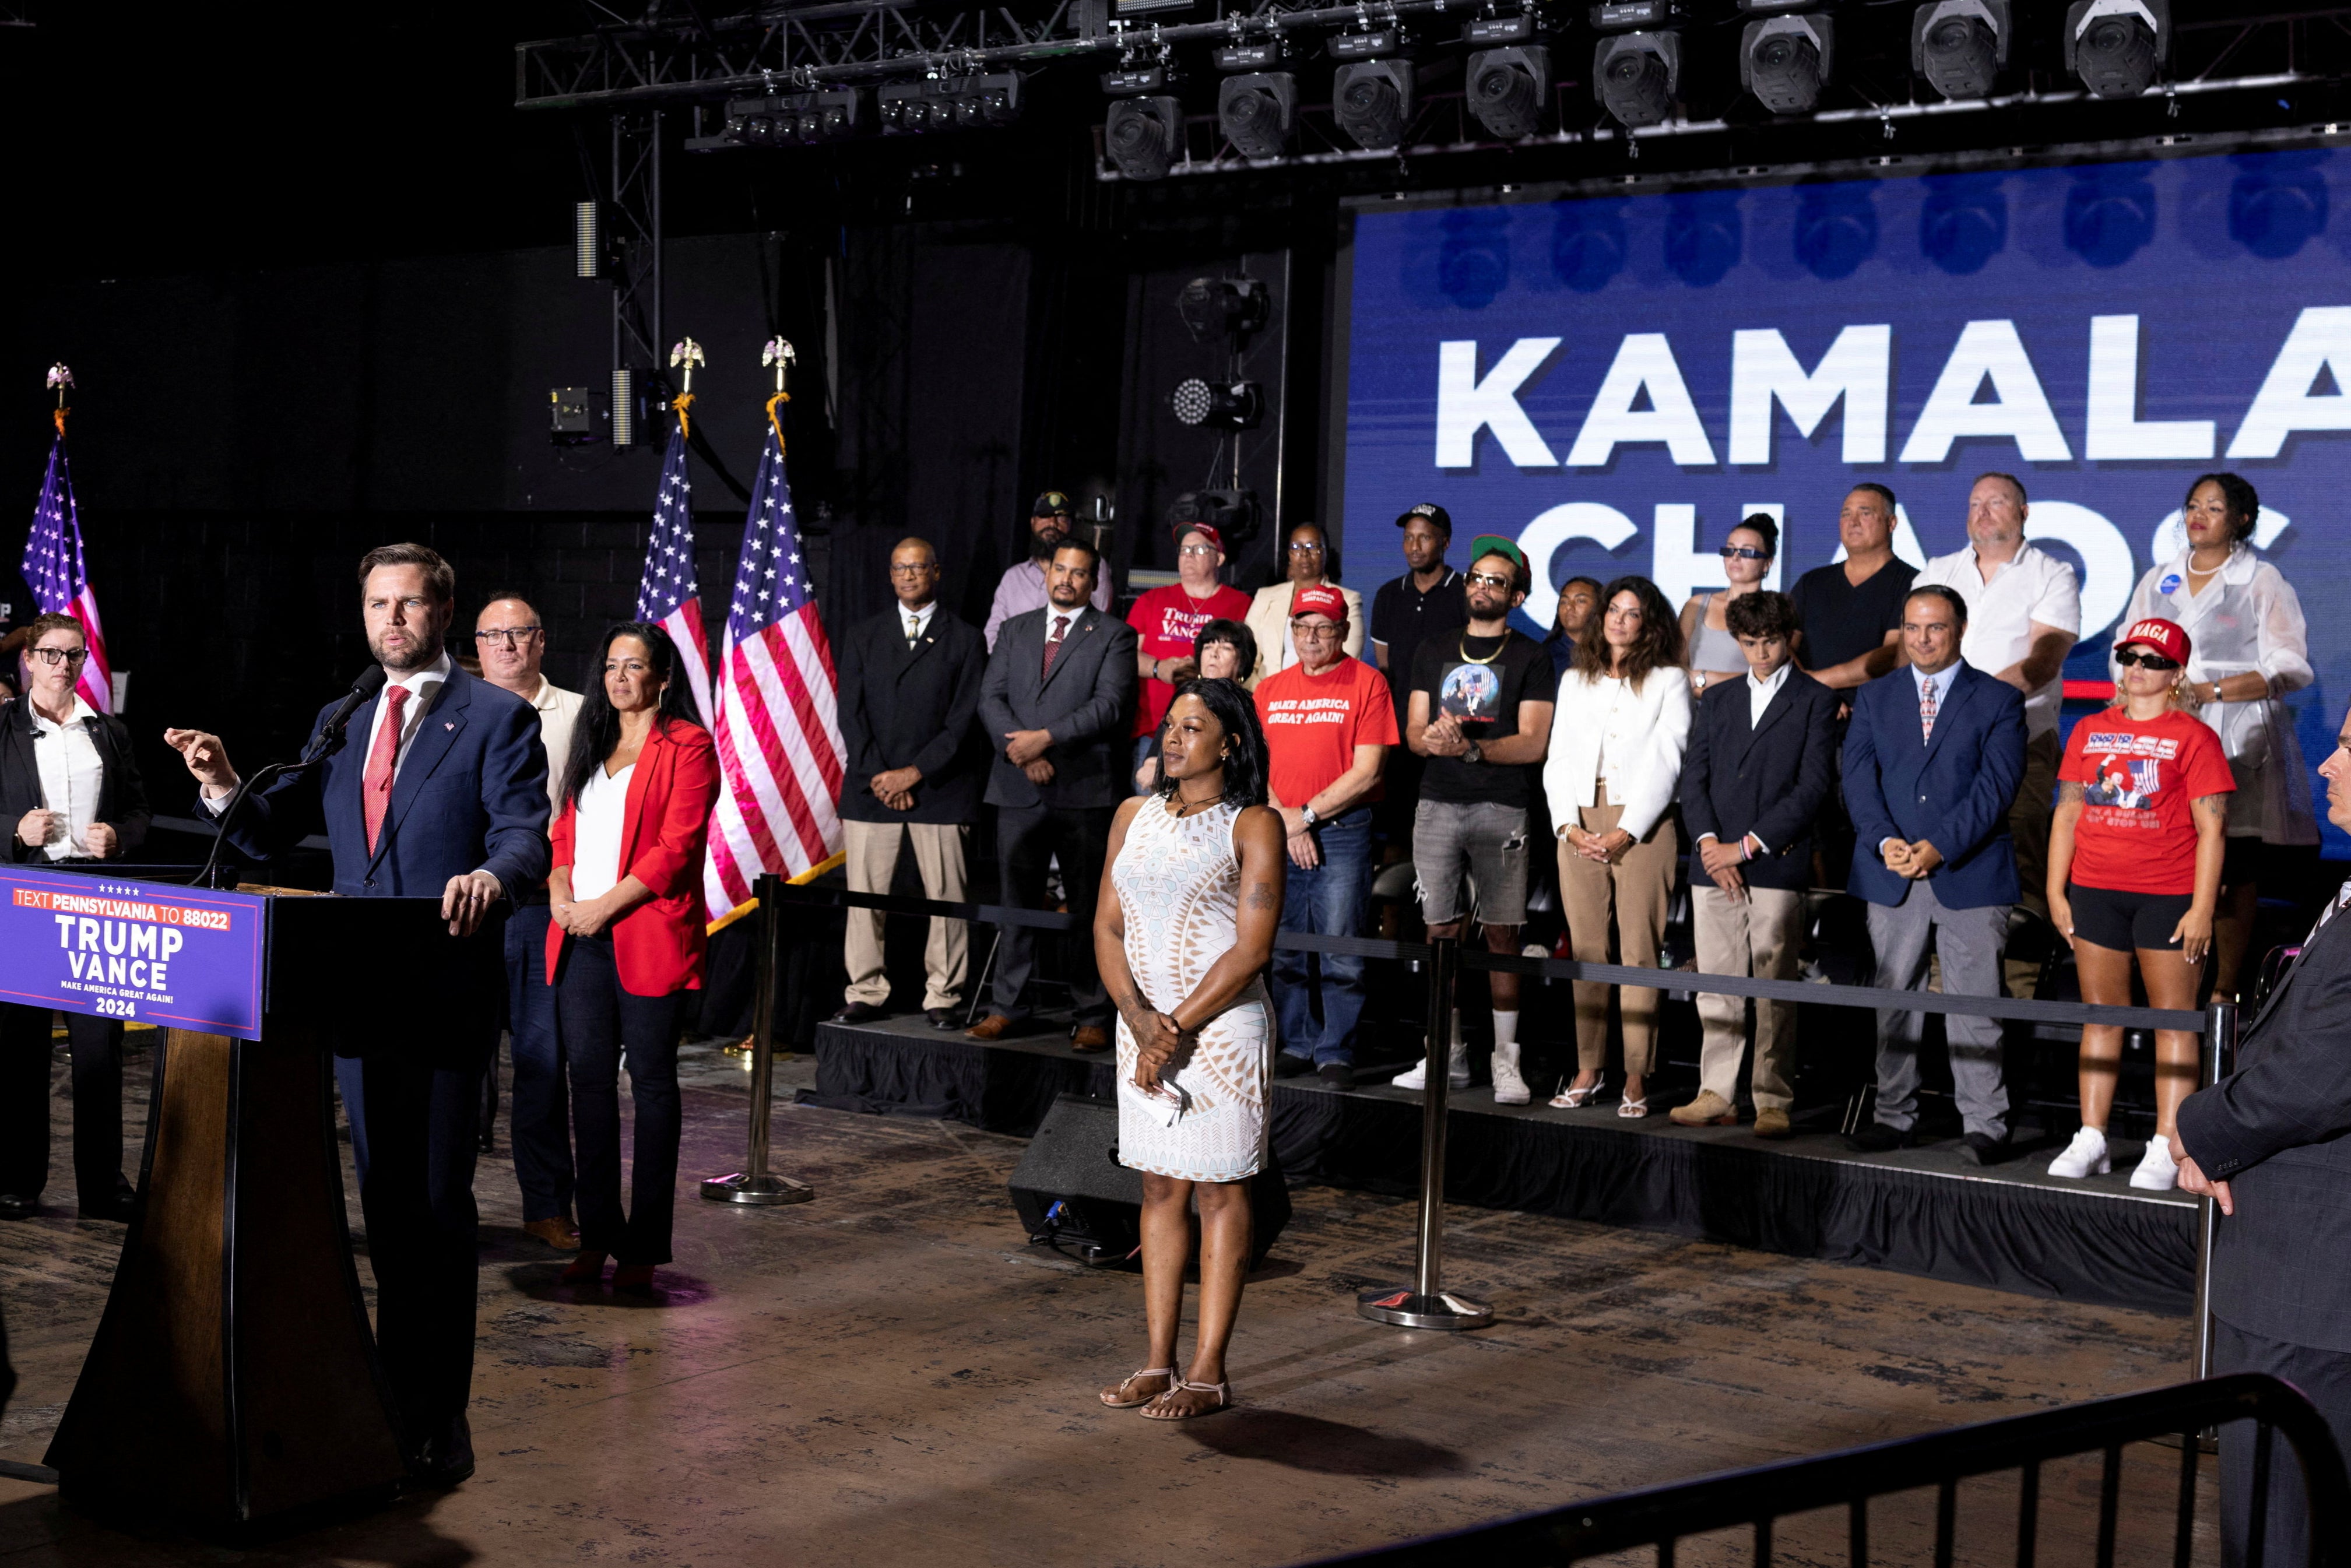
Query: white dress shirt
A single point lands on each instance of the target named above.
(1761, 692)
(559, 711)
(2032, 586)
(1941, 681)
(596, 833)
(423, 685)
(921, 618)
(71, 774)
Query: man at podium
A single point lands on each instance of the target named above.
(436, 786)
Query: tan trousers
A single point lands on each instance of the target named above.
(1759, 935)
(870, 858)
(1635, 891)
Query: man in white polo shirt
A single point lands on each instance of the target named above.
(2024, 613)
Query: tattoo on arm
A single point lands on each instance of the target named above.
(2215, 806)
(1262, 896)
(2072, 792)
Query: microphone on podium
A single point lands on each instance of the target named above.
(372, 681)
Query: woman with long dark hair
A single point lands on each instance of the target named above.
(627, 936)
(1616, 739)
(1190, 901)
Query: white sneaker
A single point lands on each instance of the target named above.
(2156, 1171)
(1415, 1079)
(2084, 1156)
(1509, 1087)
(1458, 1075)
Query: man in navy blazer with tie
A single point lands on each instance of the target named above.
(1931, 763)
(436, 787)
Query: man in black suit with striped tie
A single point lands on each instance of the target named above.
(2268, 1143)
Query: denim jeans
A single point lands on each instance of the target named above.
(1328, 900)
(541, 1114)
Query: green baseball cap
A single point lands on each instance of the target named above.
(1495, 544)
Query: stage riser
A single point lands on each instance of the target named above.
(2010, 1236)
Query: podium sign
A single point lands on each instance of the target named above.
(183, 957)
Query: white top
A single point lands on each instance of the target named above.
(1761, 692)
(596, 833)
(71, 774)
(2034, 586)
(1642, 733)
(558, 710)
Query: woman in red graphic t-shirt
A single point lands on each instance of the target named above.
(2134, 859)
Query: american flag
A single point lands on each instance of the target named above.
(776, 720)
(60, 582)
(667, 594)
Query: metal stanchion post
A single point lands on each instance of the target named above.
(2220, 1055)
(754, 1183)
(1425, 1303)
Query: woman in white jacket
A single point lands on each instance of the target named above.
(2250, 646)
(1616, 739)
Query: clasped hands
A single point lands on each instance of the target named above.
(1603, 849)
(1913, 860)
(1722, 862)
(1443, 737)
(1158, 1041)
(1025, 748)
(895, 787)
(36, 828)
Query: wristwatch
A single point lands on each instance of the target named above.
(1306, 816)
(1473, 753)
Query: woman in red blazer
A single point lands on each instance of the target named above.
(626, 938)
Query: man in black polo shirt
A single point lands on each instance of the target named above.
(1426, 601)
(1851, 609)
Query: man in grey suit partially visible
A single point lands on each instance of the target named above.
(2267, 1144)
(1054, 710)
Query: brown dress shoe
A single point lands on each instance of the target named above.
(1771, 1124)
(557, 1233)
(995, 1026)
(1089, 1038)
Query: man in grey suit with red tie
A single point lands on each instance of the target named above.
(2268, 1143)
(437, 788)
(1054, 710)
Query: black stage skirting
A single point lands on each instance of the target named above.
(1919, 1211)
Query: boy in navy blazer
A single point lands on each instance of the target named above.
(1932, 760)
(437, 788)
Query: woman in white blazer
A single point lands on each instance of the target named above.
(1618, 734)
(1305, 555)
(2250, 645)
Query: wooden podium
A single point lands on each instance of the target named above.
(234, 1380)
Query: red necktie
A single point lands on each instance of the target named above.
(375, 788)
(1053, 643)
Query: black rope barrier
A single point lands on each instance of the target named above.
(2024, 1008)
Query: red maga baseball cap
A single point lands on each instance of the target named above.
(1319, 600)
(1204, 530)
(2166, 637)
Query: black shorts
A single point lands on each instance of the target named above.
(2121, 922)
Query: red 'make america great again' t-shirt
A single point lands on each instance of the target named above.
(1166, 623)
(1313, 723)
(2135, 833)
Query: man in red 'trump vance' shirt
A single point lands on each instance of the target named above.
(1329, 721)
(1167, 620)
(2135, 856)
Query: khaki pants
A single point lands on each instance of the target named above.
(870, 858)
(1759, 935)
(1635, 890)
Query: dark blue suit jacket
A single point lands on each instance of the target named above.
(1953, 791)
(470, 796)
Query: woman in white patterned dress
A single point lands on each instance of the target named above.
(1190, 902)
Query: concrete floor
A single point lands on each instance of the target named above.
(889, 1374)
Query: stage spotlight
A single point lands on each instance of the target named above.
(1784, 61)
(2116, 47)
(903, 107)
(1959, 46)
(1233, 514)
(588, 238)
(1639, 74)
(1371, 101)
(1223, 307)
(1255, 113)
(1143, 136)
(1509, 90)
(1236, 405)
(993, 99)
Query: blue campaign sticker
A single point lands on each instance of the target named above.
(2170, 584)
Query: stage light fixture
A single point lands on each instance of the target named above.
(588, 238)
(1960, 46)
(1785, 60)
(991, 99)
(2116, 47)
(1257, 113)
(1144, 135)
(1371, 101)
(1234, 405)
(1509, 90)
(1233, 514)
(1223, 307)
(1638, 75)
(794, 119)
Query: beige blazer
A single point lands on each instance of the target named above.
(1269, 623)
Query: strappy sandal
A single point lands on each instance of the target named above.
(1576, 1098)
(1223, 1391)
(1632, 1110)
(1166, 1372)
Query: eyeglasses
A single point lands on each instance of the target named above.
(1488, 580)
(1195, 549)
(1743, 552)
(2128, 656)
(913, 568)
(505, 636)
(1300, 547)
(54, 656)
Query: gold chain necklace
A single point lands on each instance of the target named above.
(1489, 658)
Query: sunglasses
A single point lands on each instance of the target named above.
(1488, 580)
(1743, 552)
(2157, 662)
